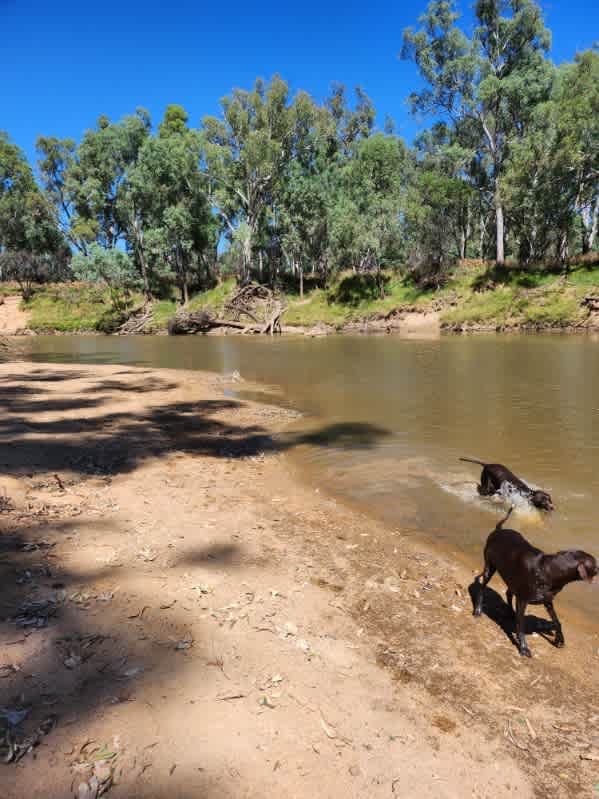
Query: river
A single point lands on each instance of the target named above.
(408, 409)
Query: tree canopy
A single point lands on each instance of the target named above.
(278, 185)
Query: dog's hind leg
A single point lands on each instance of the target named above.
(520, 627)
(482, 581)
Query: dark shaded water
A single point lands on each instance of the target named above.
(531, 402)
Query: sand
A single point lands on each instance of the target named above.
(214, 627)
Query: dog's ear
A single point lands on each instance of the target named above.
(584, 575)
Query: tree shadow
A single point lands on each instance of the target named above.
(79, 650)
(81, 654)
(498, 610)
(116, 442)
(46, 376)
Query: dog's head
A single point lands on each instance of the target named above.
(587, 567)
(542, 500)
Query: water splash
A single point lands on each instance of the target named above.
(505, 498)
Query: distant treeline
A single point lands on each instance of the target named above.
(508, 169)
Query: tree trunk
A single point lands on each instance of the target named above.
(139, 246)
(462, 244)
(499, 256)
(590, 220)
(564, 252)
(144, 276)
(301, 281)
(260, 265)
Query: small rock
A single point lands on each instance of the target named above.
(289, 628)
(354, 771)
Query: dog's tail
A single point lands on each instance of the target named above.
(473, 460)
(500, 524)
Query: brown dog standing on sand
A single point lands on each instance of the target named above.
(531, 576)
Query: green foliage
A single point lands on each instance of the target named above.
(355, 288)
(27, 223)
(114, 268)
(27, 269)
(488, 84)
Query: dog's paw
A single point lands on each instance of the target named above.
(525, 652)
(559, 642)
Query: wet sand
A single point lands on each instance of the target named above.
(210, 625)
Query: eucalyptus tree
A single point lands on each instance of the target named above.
(442, 204)
(169, 226)
(112, 267)
(247, 152)
(577, 122)
(552, 174)
(365, 226)
(487, 84)
(27, 221)
(307, 203)
(349, 125)
(55, 159)
(85, 181)
(303, 222)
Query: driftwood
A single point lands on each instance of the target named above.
(184, 324)
(591, 301)
(259, 304)
(136, 322)
(245, 301)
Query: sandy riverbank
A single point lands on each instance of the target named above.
(209, 626)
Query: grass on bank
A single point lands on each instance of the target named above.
(475, 293)
(68, 308)
(351, 298)
(513, 296)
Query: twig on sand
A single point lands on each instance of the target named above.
(508, 732)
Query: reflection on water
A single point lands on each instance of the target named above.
(530, 402)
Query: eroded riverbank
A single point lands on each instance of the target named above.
(214, 626)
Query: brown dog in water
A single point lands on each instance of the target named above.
(531, 576)
(494, 475)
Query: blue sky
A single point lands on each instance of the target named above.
(62, 64)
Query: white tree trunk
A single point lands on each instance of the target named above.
(590, 220)
(499, 257)
(564, 251)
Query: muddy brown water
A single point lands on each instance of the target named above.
(390, 417)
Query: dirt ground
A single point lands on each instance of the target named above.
(12, 318)
(180, 616)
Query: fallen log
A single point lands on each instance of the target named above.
(184, 324)
(137, 321)
(591, 301)
(270, 309)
